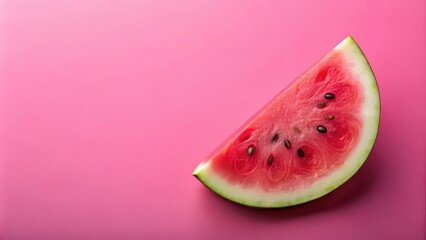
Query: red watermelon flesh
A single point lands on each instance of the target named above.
(305, 135)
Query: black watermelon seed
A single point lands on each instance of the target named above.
(322, 129)
(250, 150)
(287, 144)
(275, 137)
(270, 160)
(300, 152)
(329, 117)
(329, 96)
(321, 104)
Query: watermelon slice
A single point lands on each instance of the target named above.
(307, 141)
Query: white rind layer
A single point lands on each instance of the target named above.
(370, 115)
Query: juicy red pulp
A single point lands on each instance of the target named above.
(294, 115)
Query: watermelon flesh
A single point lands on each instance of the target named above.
(308, 140)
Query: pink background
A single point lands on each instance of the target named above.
(106, 107)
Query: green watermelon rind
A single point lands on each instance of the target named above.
(361, 69)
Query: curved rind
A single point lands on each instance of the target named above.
(370, 116)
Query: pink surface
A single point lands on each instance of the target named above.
(106, 108)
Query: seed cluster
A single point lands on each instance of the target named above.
(322, 104)
(287, 143)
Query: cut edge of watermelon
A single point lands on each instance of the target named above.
(370, 116)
